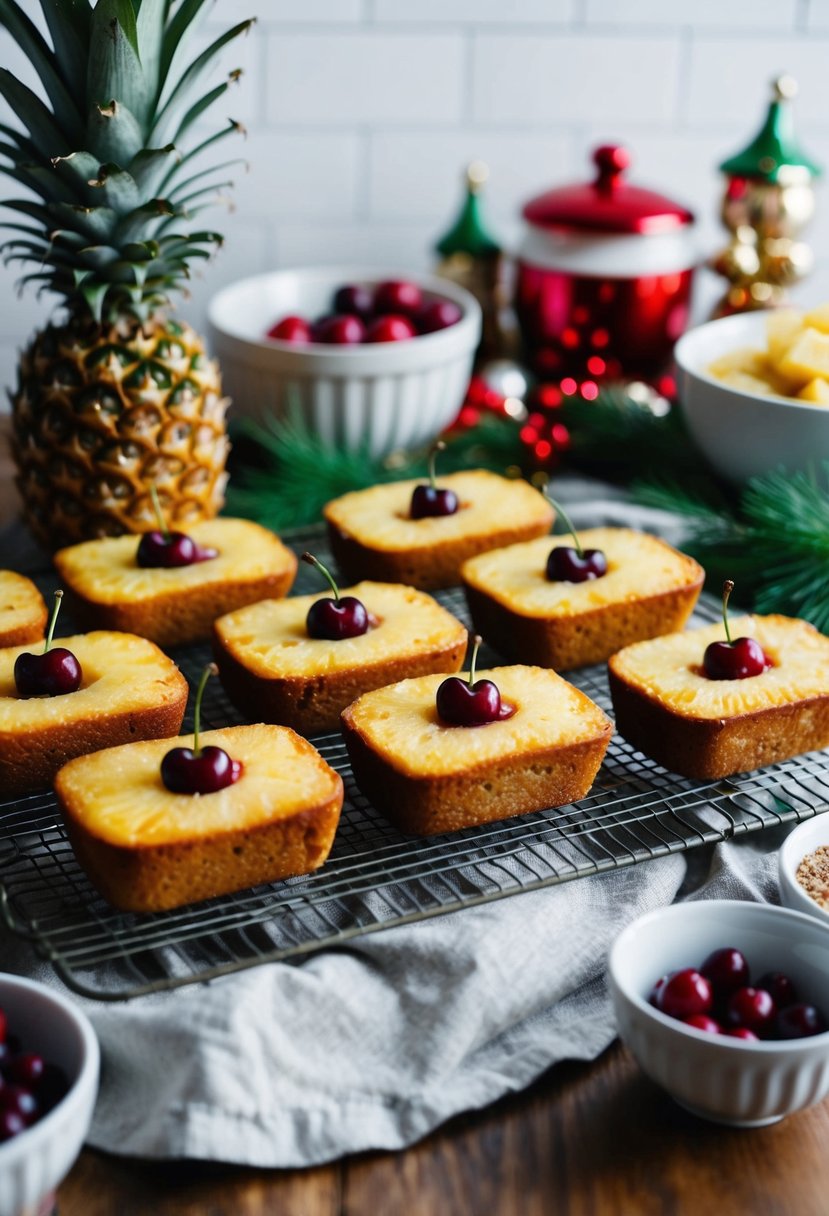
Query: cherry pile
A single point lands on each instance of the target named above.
(720, 998)
(29, 1086)
(393, 311)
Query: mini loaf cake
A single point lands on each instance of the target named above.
(649, 589)
(373, 535)
(109, 590)
(428, 777)
(147, 849)
(274, 671)
(23, 613)
(668, 707)
(129, 690)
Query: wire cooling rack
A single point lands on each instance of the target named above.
(375, 877)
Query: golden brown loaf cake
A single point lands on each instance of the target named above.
(275, 672)
(649, 589)
(109, 590)
(147, 849)
(372, 535)
(668, 708)
(428, 777)
(130, 690)
(23, 614)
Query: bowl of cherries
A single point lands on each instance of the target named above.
(725, 1004)
(374, 361)
(49, 1061)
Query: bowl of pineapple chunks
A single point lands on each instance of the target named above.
(754, 390)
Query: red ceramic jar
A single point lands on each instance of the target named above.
(604, 276)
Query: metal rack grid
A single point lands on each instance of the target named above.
(375, 876)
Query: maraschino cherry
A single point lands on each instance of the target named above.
(473, 702)
(199, 770)
(343, 617)
(572, 563)
(398, 296)
(162, 549)
(51, 674)
(438, 314)
(733, 660)
(428, 499)
(354, 298)
(291, 329)
(390, 327)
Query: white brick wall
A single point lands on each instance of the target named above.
(361, 115)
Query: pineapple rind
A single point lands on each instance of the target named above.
(99, 415)
(638, 564)
(669, 669)
(118, 796)
(270, 638)
(401, 724)
(379, 517)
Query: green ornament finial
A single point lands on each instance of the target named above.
(469, 234)
(775, 155)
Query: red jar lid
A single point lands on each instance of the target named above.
(608, 203)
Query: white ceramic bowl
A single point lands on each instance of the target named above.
(740, 433)
(35, 1162)
(385, 395)
(803, 839)
(747, 1084)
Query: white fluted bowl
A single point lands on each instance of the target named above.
(746, 1084)
(744, 434)
(384, 395)
(803, 839)
(34, 1163)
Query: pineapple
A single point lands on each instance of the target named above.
(429, 777)
(175, 606)
(23, 613)
(274, 671)
(649, 589)
(116, 395)
(147, 849)
(668, 707)
(129, 690)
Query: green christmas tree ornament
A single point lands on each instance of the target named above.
(472, 257)
(769, 200)
(775, 154)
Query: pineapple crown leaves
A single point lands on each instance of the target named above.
(110, 157)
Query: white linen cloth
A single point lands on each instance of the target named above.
(373, 1045)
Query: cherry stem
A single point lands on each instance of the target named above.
(439, 446)
(162, 527)
(476, 642)
(317, 564)
(568, 523)
(727, 588)
(210, 670)
(53, 620)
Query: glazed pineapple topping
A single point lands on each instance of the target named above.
(199, 770)
(567, 564)
(51, 674)
(162, 549)
(473, 702)
(334, 619)
(429, 500)
(734, 660)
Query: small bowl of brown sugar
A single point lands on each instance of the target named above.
(803, 869)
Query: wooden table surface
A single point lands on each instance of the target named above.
(586, 1140)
